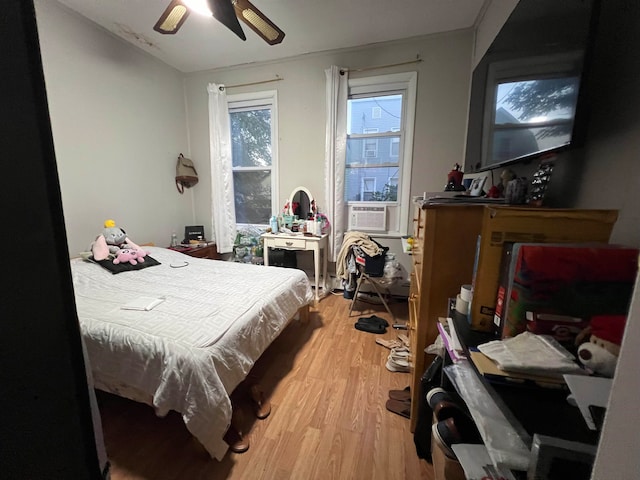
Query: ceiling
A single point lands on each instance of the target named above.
(310, 26)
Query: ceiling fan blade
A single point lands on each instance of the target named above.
(172, 18)
(258, 21)
(223, 12)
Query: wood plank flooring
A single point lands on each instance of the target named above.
(327, 383)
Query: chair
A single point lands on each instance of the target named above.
(378, 284)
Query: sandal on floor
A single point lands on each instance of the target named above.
(404, 339)
(388, 343)
(261, 406)
(401, 395)
(397, 366)
(401, 408)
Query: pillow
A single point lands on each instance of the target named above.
(126, 266)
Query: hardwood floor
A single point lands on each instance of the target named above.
(327, 383)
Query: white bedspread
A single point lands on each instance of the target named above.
(194, 348)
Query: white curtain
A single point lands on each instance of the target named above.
(335, 154)
(223, 221)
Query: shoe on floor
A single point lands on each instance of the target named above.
(402, 408)
(401, 395)
(398, 363)
(375, 320)
(388, 343)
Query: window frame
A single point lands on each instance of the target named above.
(254, 100)
(406, 82)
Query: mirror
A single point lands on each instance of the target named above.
(301, 203)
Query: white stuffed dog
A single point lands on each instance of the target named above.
(600, 353)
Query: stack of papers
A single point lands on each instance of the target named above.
(531, 354)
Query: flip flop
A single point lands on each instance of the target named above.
(404, 339)
(401, 395)
(388, 343)
(401, 408)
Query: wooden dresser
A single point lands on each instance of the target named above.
(443, 253)
(207, 251)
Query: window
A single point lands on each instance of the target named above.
(380, 113)
(254, 158)
(394, 150)
(370, 145)
(368, 188)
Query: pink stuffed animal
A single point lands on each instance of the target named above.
(131, 255)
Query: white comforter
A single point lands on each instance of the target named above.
(190, 351)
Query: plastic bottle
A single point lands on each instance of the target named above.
(174, 239)
(273, 223)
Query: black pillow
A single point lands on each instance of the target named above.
(125, 266)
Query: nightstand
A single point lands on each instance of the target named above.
(206, 251)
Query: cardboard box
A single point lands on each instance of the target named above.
(503, 224)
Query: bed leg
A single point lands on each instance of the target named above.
(303, 313)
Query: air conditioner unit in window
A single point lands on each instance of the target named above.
(368, 218)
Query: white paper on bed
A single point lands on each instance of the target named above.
(195, 347)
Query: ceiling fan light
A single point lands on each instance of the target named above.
(258, 22)
(172, 18)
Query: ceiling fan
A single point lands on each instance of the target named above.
(225, 11)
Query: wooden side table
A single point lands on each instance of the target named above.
(318, 245)
(206, 251)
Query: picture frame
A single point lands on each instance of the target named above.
(477, 185)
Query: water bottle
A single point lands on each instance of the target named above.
(174, 240)
(273, 223)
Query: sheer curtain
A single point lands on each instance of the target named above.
(335, 154)
(223, 211)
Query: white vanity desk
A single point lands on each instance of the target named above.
(302, 242)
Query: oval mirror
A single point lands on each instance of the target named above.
(301, 203)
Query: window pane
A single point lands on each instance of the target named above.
(536, 101)
(516, 142)
(371, 184)
(372, 150)
(251, 137)
(362, 113)
(252, 196)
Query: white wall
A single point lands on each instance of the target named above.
(119, 123)
(495, 13)
(443, 83)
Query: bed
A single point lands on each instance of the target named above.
(190, 351)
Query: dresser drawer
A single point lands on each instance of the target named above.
(294, 243)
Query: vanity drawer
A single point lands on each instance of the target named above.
(294, 243)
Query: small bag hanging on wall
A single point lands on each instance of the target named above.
(186, 174)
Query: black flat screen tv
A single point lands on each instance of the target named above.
(527, 89)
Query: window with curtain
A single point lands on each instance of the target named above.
(380, 117)
(254, 156)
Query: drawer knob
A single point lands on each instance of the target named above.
(289, 244)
